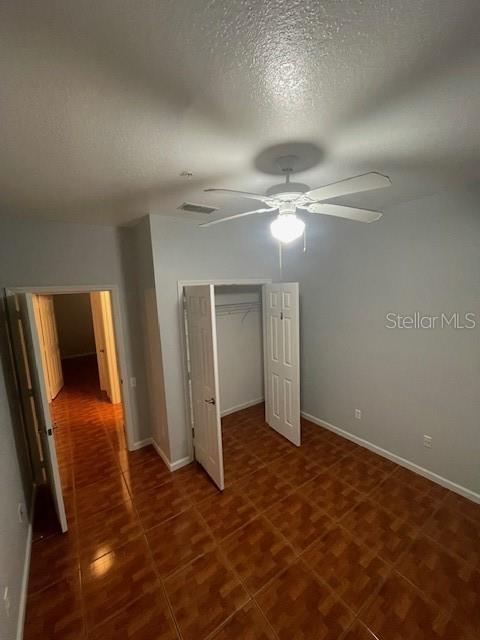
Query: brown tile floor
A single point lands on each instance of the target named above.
(325, 541)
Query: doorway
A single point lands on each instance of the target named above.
(77, 338)
(224, 358)
(69, 357)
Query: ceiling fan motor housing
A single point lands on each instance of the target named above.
(288, 190)
(287, 207)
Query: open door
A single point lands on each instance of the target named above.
(282, 359)
(101, 306)
(202, 349)
(47, 325)
(33, 389)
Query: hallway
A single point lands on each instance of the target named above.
(103, 562)
(319, 542)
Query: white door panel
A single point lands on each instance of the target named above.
(202, 347)
(50, 344)
(103, 329)
(28, 357)
(282, 359)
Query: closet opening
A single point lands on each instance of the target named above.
(242, 374)
(238, 313)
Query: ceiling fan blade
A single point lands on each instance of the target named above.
(237, 215)
(365, 182)
(241, 194)
(340, 211)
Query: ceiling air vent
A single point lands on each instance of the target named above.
(191, 207)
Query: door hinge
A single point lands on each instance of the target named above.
(281, 315)
(193, 433)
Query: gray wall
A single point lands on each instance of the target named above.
(182, 251)
(73, 316)
(144, 330)
(421, 256)
(44, 253)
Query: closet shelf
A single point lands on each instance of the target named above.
(239, 307)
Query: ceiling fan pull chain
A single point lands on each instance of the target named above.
(305, 240)
(280, 266)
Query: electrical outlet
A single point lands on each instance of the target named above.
(427, 441)
(358, 414)
(133, 382)
(6, 602)
(21, 512)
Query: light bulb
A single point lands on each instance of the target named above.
(287, 227)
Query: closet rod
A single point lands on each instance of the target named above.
(240, 307)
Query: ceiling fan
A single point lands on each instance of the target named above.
(287, 197)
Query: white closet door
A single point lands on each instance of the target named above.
(32, 376)
(202, 347)
(282, 359)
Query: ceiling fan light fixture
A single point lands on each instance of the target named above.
(287, 227)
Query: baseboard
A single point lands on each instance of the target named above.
(239, 407)
(22, 605)
(173, 466)
(182, 462)
(141, 443)
(448, 484)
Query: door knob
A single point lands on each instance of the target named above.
(211, 401)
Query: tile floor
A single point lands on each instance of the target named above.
(325, 541)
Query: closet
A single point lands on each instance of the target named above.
(242, 346)
(238, 313)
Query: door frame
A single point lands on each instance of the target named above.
(219, 282)
(119, 341)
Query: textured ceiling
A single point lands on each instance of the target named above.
(103, 103)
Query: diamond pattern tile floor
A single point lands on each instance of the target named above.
(324, 541)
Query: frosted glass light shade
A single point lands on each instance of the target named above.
(287, 227)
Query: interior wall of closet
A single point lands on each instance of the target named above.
(238, 311)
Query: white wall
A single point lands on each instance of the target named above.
(73, 316)
(182, 251)
(240, 347)
(421, 256)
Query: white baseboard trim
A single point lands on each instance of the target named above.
(22, 604)
(173, 466)
(448, 484)
(239, 407)
(182, 462)
(141, 443)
